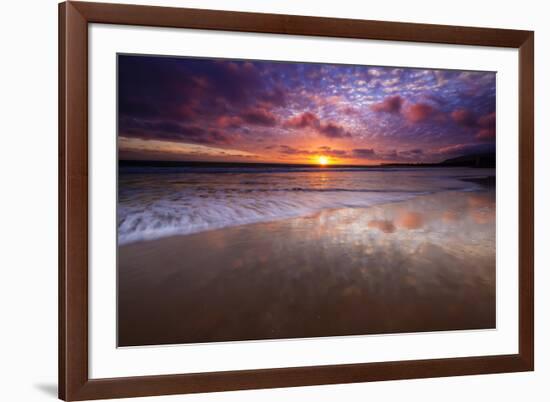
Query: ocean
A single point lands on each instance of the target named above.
(156, 202)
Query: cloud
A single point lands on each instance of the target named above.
(484, 125)
(259, 117)
(391, 104)
(215, 137)
(487, 120)
(175, 88)
(288, 150)
(463, 149)
(413, 112)
(276, 97)
(486, 134)
(309, 120)
(487, 127)
(333, 130)
(229, 122)
(411, 153)
(325, 150)
(349, 110)
(130, 147)
(194, 100)
(375, 72)
(334, 152)
(464, 117)
(367, 153)
(304, 120)
(171, 131)
(407, 155)
(418, 112)
(132, 107)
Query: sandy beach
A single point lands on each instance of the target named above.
(424, 264)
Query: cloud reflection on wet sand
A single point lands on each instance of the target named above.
(425, 264)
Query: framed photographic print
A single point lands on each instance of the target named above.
(256, 201)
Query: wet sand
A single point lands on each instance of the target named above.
(426, 264)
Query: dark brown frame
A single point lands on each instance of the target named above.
(74, 382)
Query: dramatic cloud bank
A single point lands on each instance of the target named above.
(210, 109)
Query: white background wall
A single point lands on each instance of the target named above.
(28, 212)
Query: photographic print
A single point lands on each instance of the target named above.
(274, 200)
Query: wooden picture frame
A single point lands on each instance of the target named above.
(74, 381)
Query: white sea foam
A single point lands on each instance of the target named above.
(155, 205)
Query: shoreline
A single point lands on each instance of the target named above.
(485, 183)
(391, 268)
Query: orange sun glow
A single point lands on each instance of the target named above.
(323, 160)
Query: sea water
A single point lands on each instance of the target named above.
(155, 202)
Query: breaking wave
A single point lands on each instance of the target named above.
(157, 205)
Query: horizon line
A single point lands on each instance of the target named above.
(294, 164)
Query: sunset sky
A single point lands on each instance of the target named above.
(257, 111)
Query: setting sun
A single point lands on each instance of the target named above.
(323, 160)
